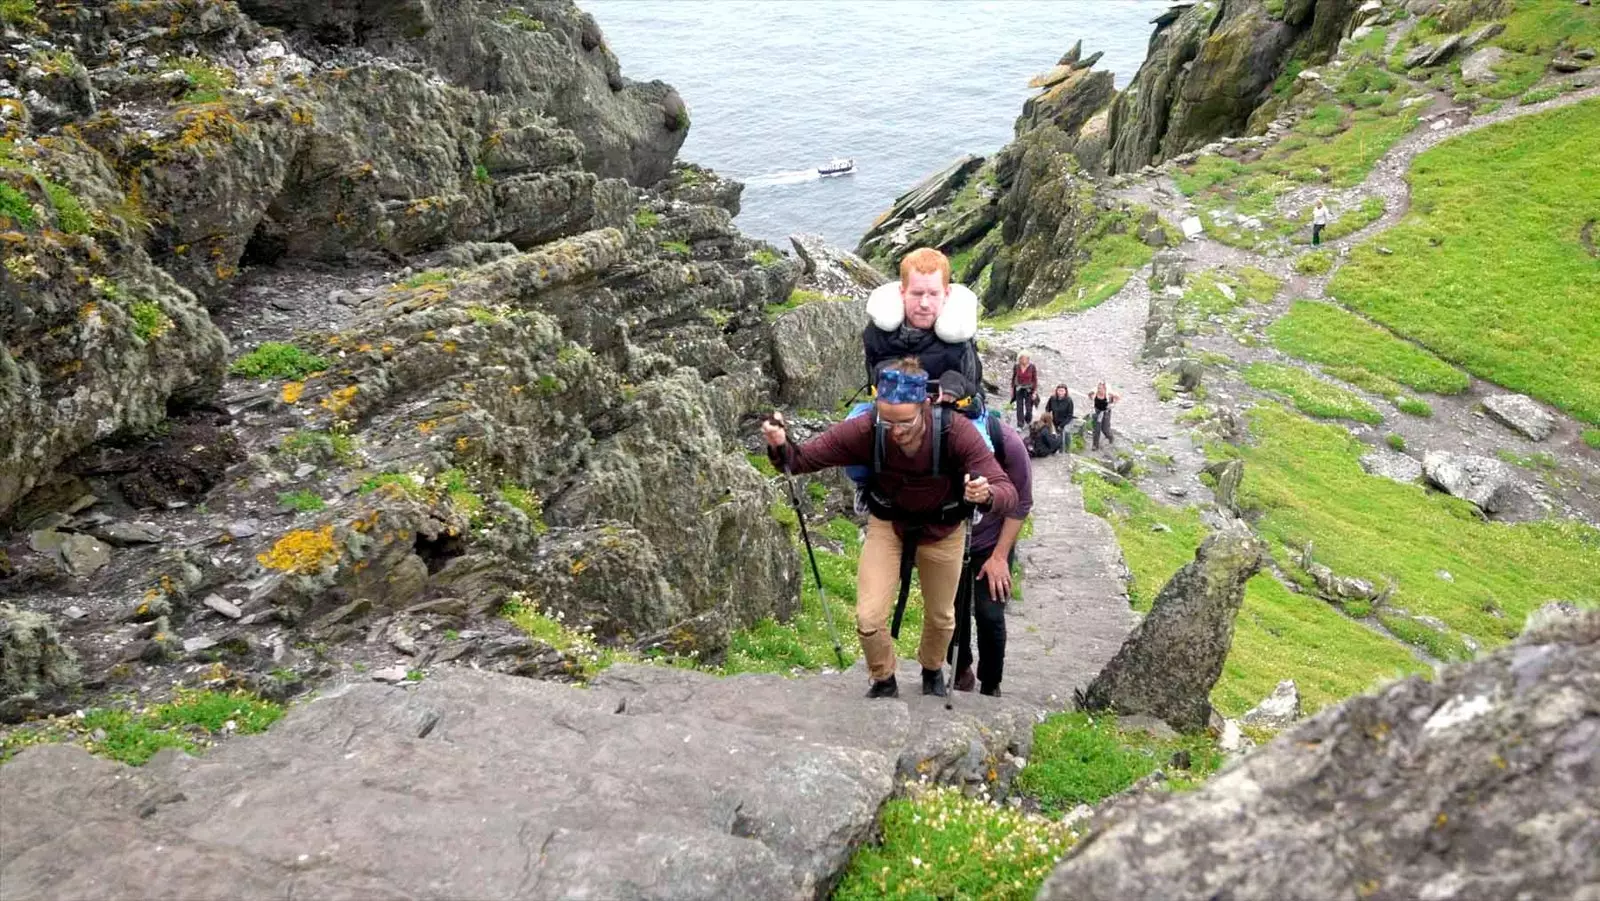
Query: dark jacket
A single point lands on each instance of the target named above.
(909, 480)
(936, 356)
(986, 534)
(1043, 443)
(1060, 409)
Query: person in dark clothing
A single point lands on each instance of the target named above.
(1024, 389)
(923, 316)
(912, 501)
(1059, 406)
(986, 580)
(1103, 399)
(1043, 440)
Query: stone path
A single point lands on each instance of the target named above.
(652, 783)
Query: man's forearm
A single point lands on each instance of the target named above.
(1009, 530)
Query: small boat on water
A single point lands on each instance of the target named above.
(837, 166)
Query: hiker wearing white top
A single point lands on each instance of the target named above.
(1319, 221)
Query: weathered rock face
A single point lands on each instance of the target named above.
(1210, 67)
(33, 662)
(956, 203)
(754, 787)
(1477, 784)
(1278, 710)
(1521, 413)
(1169, 664)
(527, 377)
(1487, 483)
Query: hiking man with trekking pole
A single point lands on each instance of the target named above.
(929, 469)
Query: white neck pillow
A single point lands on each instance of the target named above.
(957, 322)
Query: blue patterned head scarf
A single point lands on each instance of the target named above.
(896, 387)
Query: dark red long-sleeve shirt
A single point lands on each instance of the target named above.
(907, 480)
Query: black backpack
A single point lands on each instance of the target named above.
(952, 512)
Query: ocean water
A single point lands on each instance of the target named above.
(776, 88)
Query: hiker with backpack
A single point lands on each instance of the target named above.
(925, 317)
(986, 574)
(1024, 389)
(929, 470)
(1059, 406)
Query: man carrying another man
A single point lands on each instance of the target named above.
(928, 471)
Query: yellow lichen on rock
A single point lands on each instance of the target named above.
(302, 552)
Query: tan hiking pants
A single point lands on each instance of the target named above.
(878, 587)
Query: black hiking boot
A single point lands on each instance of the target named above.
(933, 683)
(965, 680)
(992, 691)
(888, 688)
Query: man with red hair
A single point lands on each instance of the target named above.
(926, 317)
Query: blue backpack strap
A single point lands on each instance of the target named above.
(997, 437)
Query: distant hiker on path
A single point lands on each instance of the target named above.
(923, 316)
(986, 579)
(1024, 389)
(1319, 221)
(929, 468)
(1043, 440)
(1059, 406)
(1103, 399)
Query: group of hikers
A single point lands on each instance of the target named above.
(944, 482)
(1049, 433)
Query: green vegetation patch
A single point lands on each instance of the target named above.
(585, 658)
(276, 360)
(520, 20)
(1278, 634)
(16, 206)
(149, 321)
(1591, 437)
(338, 447)
(646, 219)
(938, 843)
(192, 721)
(206, 81)
(1082, 759)
(1330, 335)
(1305, 479)
(1317, 262)
(19, 13)
(302, 501)
(70, 215)
(799, 298)
(1413, 406)
(1113, 259)
(1310, 394)
(1518, 194)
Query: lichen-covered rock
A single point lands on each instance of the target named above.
(33, 661)
(1168, 666)
(1476, 783)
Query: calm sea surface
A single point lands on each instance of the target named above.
(777, 87)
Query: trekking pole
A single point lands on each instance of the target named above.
(972, 601)
(805, 535)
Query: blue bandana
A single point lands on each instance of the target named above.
(896, 387)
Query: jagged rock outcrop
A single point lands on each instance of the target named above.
(1169, 664)
(1478, 783)
(956, 202)
(516, 374)
(1209, 69)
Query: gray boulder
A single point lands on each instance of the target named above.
(833, 271)
(1170, 663)
(1487, 483)
(1229, 474)
(1392, 465)
(1479, 67)
(1278, 710)
(1522, 414)
(33, 661)
(816, 353)
(1477, 785)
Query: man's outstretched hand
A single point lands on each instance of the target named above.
(772, 430)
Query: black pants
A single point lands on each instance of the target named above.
(1316, 234)
(991, 616)
(1102, 426)
(1024, 407)
(1063, 432)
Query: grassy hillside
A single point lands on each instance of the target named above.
(1490, 269)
